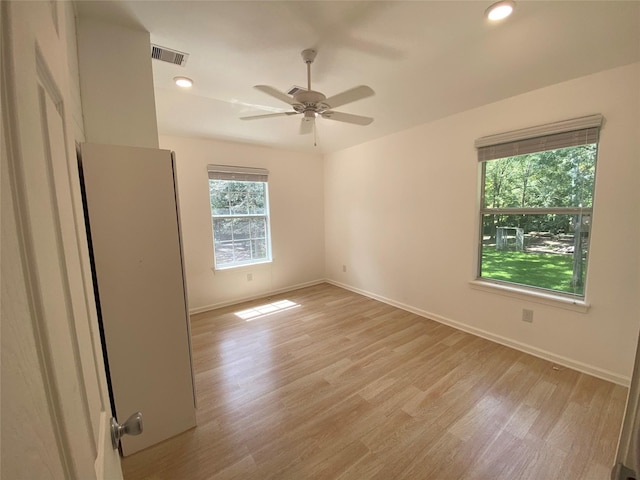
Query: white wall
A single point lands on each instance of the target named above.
(116, 83)
(297, 219)
(401, 214)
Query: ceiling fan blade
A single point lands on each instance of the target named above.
(348, 118)
(306, 125)
(283, 97)
(349, 96)
(267, 115)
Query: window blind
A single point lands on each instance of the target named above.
(568, 133)
(239, 174)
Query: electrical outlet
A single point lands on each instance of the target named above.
(527, 315)
(344, 268)
(249, 277)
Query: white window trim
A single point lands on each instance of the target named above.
(246, 266)
(229, 172)
(530, 294)
(524, 292)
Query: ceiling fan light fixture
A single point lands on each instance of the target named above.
(500, 10)
(183, 82)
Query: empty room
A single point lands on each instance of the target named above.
(320, 239)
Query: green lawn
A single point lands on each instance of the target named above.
(544, 270)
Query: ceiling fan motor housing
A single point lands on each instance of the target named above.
(308, 99)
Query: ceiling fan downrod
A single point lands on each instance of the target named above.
(309, 56)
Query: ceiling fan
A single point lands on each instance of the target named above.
(312, 104)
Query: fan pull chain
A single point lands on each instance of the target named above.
(315, 134)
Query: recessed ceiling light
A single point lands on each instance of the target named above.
(183, 82)
(500, 10)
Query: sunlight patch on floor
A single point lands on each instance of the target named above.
(267, 309)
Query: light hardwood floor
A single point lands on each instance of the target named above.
(339, 386)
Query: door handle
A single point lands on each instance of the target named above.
(132, 426)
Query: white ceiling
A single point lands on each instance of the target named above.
(424, 59)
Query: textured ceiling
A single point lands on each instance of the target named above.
(424, 59)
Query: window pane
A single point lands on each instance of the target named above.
(236, 186)
(223, 229)
(217, 188)
(258, 228)
(256, 204)
(241, 228)
(259, 199)
(242, 250)
(538, 250)
(554, 178)
(238, 203)
(224, 253)
(219, 198)
(220, 210)
(259, 249)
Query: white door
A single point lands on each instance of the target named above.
(135, 238)
(56, 408)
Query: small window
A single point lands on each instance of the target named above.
(537, 205)
(239, 199)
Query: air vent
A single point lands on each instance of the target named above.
(293, 90)
(170, 56)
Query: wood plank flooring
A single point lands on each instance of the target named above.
(322, 383)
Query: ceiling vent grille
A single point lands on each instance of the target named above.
(293, 90)
(170, 56)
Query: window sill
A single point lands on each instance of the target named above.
(236, 268)
(531, 295)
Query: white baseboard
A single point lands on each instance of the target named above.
(206, 308)
(537, 352)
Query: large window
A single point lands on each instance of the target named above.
(240, 215)
(537, 204)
